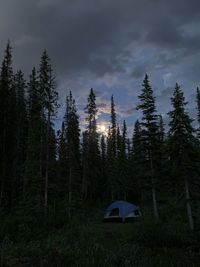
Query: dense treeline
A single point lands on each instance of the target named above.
(43, 172)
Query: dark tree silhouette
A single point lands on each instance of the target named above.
(150, 129)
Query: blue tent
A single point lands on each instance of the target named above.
(122, 210)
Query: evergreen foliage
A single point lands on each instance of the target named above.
(32, 186)
(49, 183)
(49, 105)
(150, 135)
(21, 133)
(182, 148)
(91, 151)
(8, 127)
(69, 155)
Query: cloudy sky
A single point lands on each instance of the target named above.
(108, 45)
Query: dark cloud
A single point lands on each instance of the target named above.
(102, 43)
(92, 35)
(139, 71)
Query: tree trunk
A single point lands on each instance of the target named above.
(153, 190)
(155, 206)
(188, 205)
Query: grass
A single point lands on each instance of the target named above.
(90, 242)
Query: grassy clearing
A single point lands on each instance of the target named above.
(93, 243)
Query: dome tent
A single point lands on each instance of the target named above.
(122, 211)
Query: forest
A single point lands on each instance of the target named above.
(55, 185)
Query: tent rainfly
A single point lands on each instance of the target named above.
(121, 211)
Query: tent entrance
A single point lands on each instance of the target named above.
(114, 213)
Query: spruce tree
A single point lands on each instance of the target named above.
(112, 152)
(49, 105)
(161, 129)
(32, 185)
(162, 147)
(91, 139)
(150, 129)
(118, 166)
(104, 182)
(7, 132)
(85, 166)
(72, 141)
(21, 133)
(139, 160)
(181, 148)
(63, 165)
(103, 149)
(122, 163)
(138, 149)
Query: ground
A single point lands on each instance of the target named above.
(90, 242)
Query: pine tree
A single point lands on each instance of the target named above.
(122, 164)
(139, 160)
(21, 134)
(118, 166)
(103, 149)
(73, 131)
(161, 129)
(85, 166)
(124, 141)
(150, 129)
(104, 183)
(112, 152)
(7, 132)
(52, 170)
(91, 138)
(138, 149)
(118, 143)
(161, 150)
(32, 185)
(63, 165)
(182, 147)
(180, 126)
(72, 140)
(49, 105)
(128, 148)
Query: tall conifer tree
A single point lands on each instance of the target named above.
(138, 160)
(72, 141)
(21, 133)
(32, 185)
(91, 148)
(150, 129)
(49, 105)
(7, 132)
(122, 164)
(182, 148)
(112, 151)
